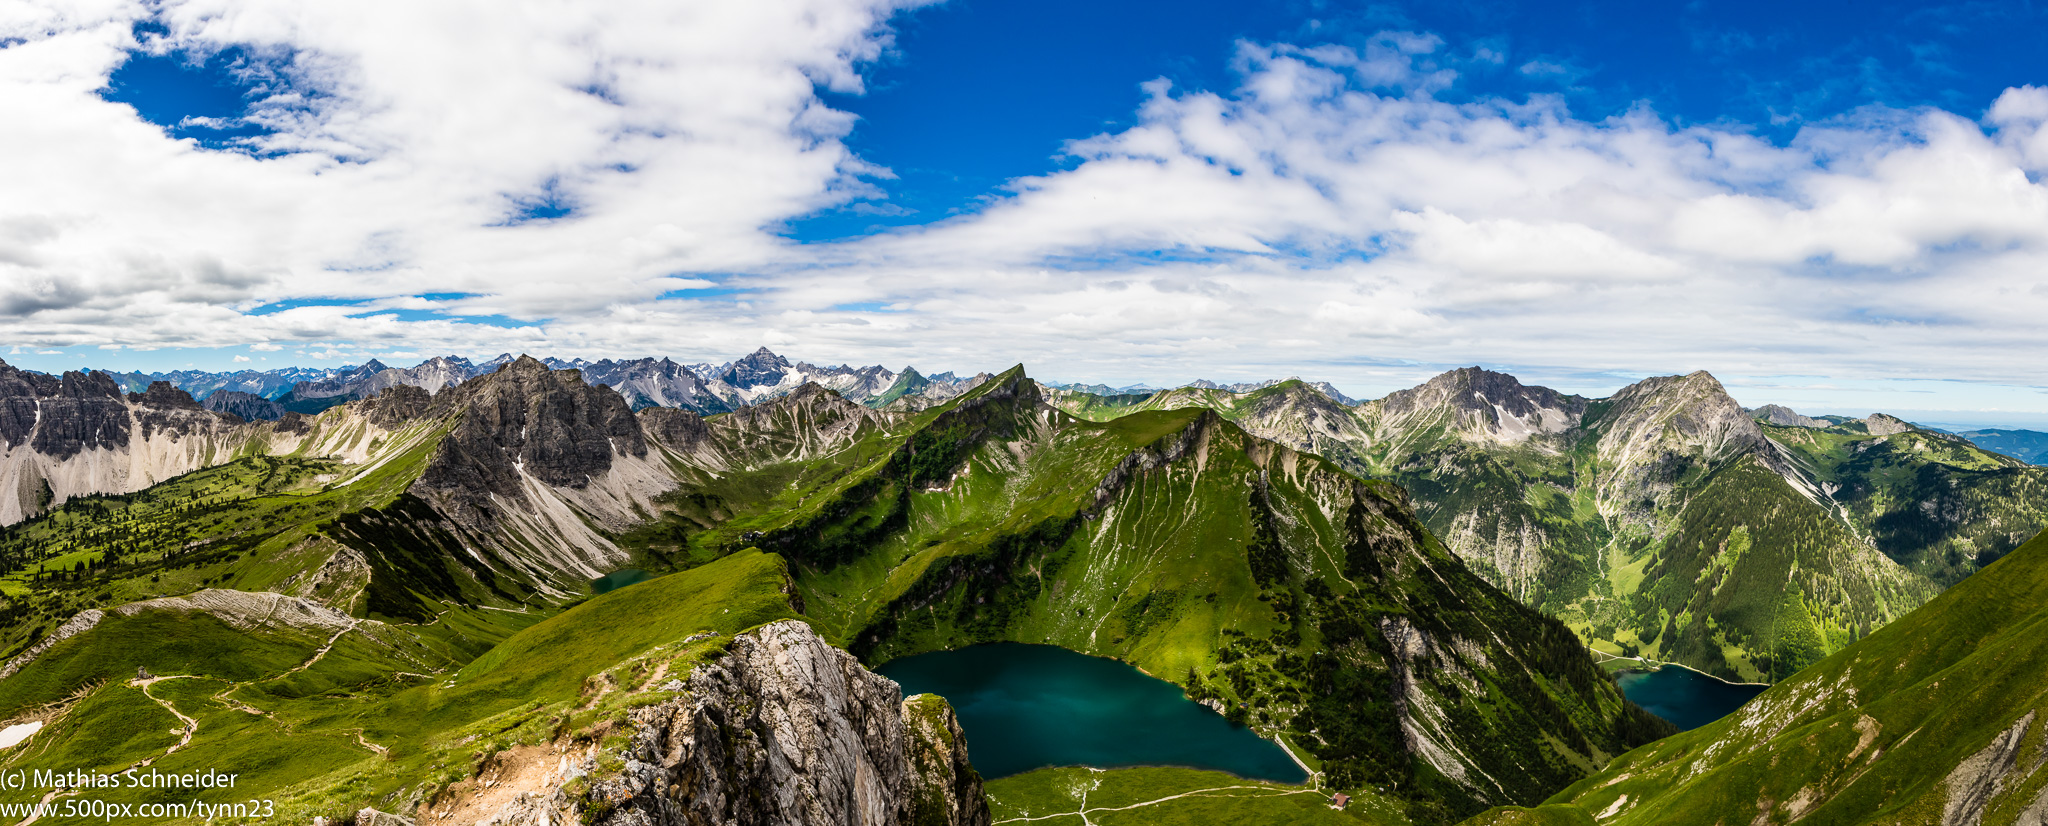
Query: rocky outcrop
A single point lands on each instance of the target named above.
(680, 430)
(1658, 429)
(783, 729)
(648, 383)
(247, 609)
(1299, 416)
(1880, 424)
(372, 817)
(398, 404)
(1478, 404)
(1982, 776)
(248, 407)
(525, 421)
(79, 434)
(69, 415)
(1785, 417)
(164, 395)
(808, 422)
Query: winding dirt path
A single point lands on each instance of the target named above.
(191, 725)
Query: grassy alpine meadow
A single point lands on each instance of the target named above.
(256, 523)
(377, 714)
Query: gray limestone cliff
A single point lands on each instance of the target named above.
(1880, 424)
(782, 729)
(1783, 416)
(247, 406)
(523, 421)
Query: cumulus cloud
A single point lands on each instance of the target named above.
(1343, 210)
(606, 180)
(404, 150)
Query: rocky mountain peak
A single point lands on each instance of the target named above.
(1880, 424)
(166, 396)
(245, 406)
(1785, 417)
(1480, 389)
(1657, 429)
(1692, 405)
(526, 420)
(1486, 404)
(762, 368)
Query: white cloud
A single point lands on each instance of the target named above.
(241, 359)
(1351, 220)
(1339, 215)
(677, 130)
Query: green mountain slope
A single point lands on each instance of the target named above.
(322, 713)
(1936, 718)
(1304, 600)
(1664, 522)
(909, 382)
(1936, 503)
(2029, 446)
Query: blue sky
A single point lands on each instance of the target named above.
(979, 93)
(1838, 206)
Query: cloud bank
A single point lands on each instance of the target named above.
(610, 181)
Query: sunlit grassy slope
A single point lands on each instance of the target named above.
(1935, 718)
(384, 715)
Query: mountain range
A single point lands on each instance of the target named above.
(647, 382)
(441, 535)
(1665, 521)
(384, 608)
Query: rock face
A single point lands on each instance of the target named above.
(344, 384)
(763, 367)
(786, 729)
(1659, 428)
(1785, 417)
(248, 406)
(527, 421)
(651, 382)
(1480, 404)
(1880, 424)
(59, 417)
(78, 434)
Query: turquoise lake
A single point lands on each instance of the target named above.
(1685, 697)
(1026, 707)
(619, 579)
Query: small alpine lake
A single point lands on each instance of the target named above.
(1026, 707)
(619, 579)
(1687, 698)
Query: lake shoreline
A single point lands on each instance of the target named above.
(1028, 705)
(1650, 666)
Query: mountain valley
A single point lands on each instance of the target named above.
(382, 596)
